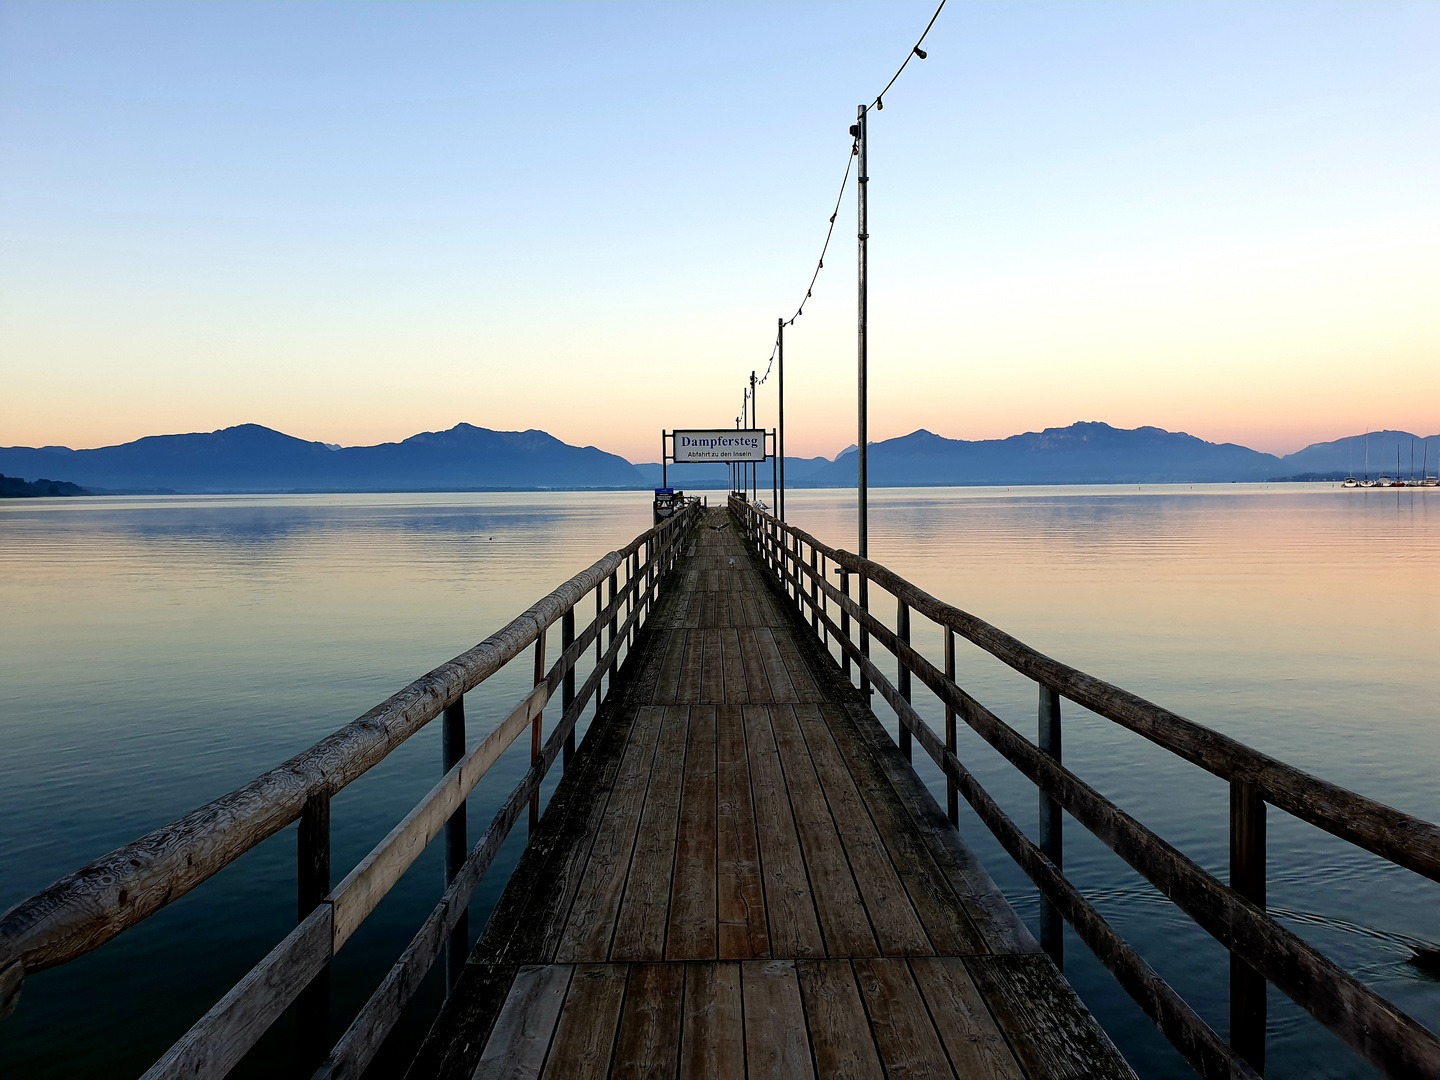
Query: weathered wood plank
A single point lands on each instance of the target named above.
(775, 1044)
(737, 691)
(591, 922)
(794, 926)
(523, 1030)
(668, 686)
(757, 683)
(909, 1044)
(692, 933)
(713, 1045)
(712, 678)
(688, 692)
(585, 1036)
(940, 910)
(839, 1030)
(781, 688)
(644, 911)
(892, 916)
(801, 679)
(976, 1047)
(994, 919)
(648, 1046)
(1052, 1033)
(740, 897)
(843, 917)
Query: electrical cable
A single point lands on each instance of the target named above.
(878, 103)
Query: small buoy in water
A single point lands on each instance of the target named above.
(1427, 960)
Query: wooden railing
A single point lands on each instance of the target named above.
(1260, 948)
(81, 912)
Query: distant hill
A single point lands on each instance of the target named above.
(1084, 453)
(254, 458)
(12, 487)
(467, 458)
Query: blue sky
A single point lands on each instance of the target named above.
(356, 221)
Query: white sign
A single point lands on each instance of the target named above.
(724, 444)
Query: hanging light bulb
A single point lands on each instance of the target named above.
(919, 52)
(879, 103)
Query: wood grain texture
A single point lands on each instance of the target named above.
(713, 1045)
(776, 1047)
(644, 911)
(585, 1036)
(897, 927)
(977, 1049)
(909, 1044)
(521, 1037)
(839, 1030)
(843, 919)
(591, 923)
(648, 1046)
(1051, 1032)
(740, 897)
(794, 926)
(692, 931)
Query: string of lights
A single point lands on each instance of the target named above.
(878, 103)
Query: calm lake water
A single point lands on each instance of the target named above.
(161, 651)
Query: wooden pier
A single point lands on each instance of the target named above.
(739, 873)
(741, 877)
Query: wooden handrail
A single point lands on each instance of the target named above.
(85, 909)
(1394, 835)
(1381, 1033)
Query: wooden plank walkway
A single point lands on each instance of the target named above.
(740, 876)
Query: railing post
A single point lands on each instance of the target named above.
(845, 623)
(814, 593)
(567, 687)
(312, 1007)
(1247, 877)
(952, 794)
(864, 635)
(902, 673)
(452, 739)
(1051, 835)
(599, 637)
(614, 624)
(535, 732)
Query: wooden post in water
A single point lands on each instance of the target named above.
(1247, 877)
(1051, 828)
(952, 795)
(535, 733)
(902, 673)
(567, 687)
(312, 1007)
(452, 749)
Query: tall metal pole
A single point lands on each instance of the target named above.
(755, 422)
(863, 435)
(780, 436)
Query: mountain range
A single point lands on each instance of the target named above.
(252, 458)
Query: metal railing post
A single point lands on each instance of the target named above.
(452, 749)
(1051, 826)
(1247, 877)
(312, 850)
